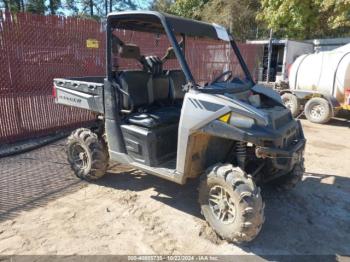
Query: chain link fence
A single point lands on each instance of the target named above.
(34, 49)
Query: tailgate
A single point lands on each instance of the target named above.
(79, 93)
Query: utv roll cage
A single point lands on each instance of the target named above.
(160, 23)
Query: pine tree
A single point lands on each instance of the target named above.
(54, 5)
(36, 6)
(13, 5)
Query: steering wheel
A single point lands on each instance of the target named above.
(228, 72)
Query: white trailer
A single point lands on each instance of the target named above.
(319, 84)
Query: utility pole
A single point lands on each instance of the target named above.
(269, 58)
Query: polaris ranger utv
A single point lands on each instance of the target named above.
(228, 131)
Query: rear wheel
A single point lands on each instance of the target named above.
(292, 103)
(318, 110)
(87, 154)
(231, 203)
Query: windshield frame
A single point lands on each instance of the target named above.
(167, 22)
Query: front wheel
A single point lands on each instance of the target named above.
(231, 203)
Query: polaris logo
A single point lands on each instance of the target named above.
(70, 99)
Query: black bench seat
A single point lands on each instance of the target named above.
(156, 117)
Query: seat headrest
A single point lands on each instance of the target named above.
(154, 65)
(129, 51)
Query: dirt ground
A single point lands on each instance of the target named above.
(44, 209)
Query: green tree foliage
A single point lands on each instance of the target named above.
(98, 8)
(13, 5)
(306, 18)
(36, 6)
(72, 6)
(237, 15)
(162, 5)
(188, 8)
(82, 8)
(33, 6)
(335, 14)
(54, 5)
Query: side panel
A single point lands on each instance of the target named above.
(198, 110)
(153, 147)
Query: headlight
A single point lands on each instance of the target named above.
(237, 120)
(241, 121)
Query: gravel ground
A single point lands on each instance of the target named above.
(44, 209)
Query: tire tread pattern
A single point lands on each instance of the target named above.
(250, 208)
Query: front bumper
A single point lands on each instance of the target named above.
(283, 159)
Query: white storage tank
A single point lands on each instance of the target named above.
(325, 72)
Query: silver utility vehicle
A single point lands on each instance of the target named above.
(229, 132)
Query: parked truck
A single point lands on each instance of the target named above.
(232, 133)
